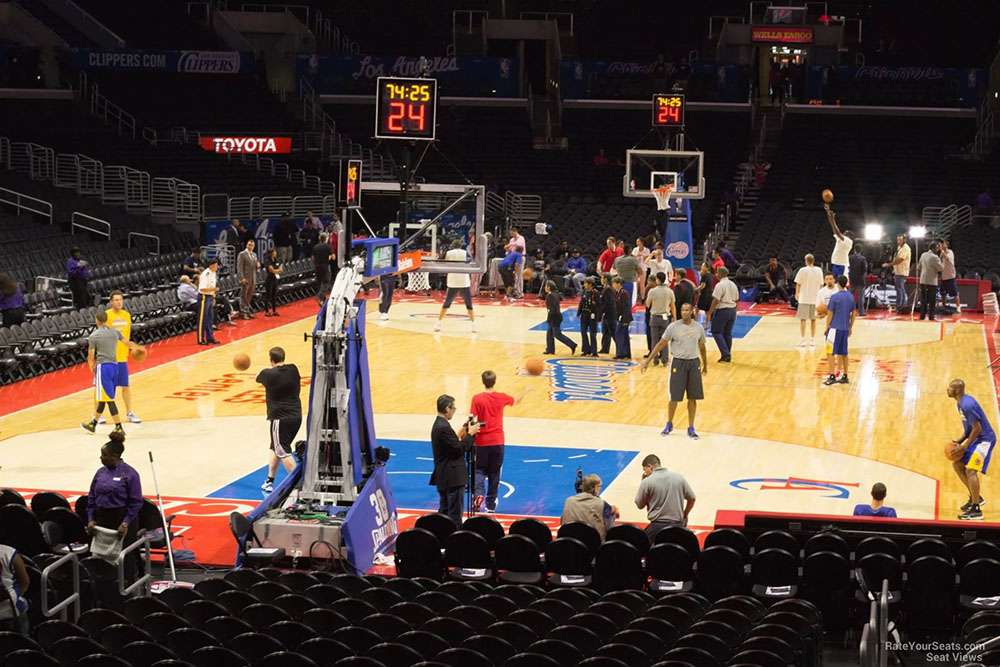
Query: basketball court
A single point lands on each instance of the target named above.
(772, 437)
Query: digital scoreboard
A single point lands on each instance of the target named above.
(405, 108)
(668, 110)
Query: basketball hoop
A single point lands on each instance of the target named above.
(662, 195)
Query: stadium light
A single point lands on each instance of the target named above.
(918, 231)
(873, 232)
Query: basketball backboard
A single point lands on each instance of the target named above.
(646, 170)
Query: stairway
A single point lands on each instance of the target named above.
(768, 124)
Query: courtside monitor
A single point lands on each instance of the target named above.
(381, 255)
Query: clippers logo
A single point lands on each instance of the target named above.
(262, 145)
(209, 62)
(837, 490)
(579, 380)
(678, 250)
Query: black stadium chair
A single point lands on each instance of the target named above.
(574, 597)
(586, 534)
(670, 568)
(467, 556)
(518, 560)
(439, 525)
(487, 526)
(394, 655)
(929, 593)
(534, 530)
(324, 651)
(529, 659)
(827, 542)
(928, 546)
(29, 658)
(774, 573)
(115, 637)
(353, 609)
(650, 644)
(679, 536)
(50, 632)
(497, 650)
(178, 596)
(627, 654)
(777, 539)
(977, 549)
(520, 594)
(618, 567)
(145, 654)
(216, 656)
(287, 659)
(462, 657)
(463, 591)
(582, 638)
(569, 561)
(696, 657)
(629, 533)
(426, 644)
(716, 646)
(533, 618)
(720, 572)
(451, 630)
(437, 601)
(729, 537)
(380, 598)
(979, 579)
(619, 614)
(406, 588)
(104, 661)
(876, 545)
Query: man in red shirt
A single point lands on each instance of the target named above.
(487, 408)
(608, 257)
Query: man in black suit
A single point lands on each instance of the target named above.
(450, 470)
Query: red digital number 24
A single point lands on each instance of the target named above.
(400, 110)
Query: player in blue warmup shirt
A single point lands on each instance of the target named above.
(977, 443)
(877, 507)
(839, 325)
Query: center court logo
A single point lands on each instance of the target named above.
(585, 379)
(838, 490)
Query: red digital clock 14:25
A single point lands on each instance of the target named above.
(405, 108)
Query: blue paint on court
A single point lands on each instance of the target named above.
(571, 323)
(537, 479)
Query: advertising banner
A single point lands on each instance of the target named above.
(457, 76)
(183, 62)
(778, 35)
(635, 80)
(250, 145)
(896, 86)
(371, 525)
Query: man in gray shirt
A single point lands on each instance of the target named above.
(247, 266)
(686, 340)
(102, 361)
(662, 311)
(929, 266)
(628, 268)
(665, 495)
(722, 314)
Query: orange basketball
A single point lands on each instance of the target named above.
(821, 309)
(138, 355)
(534, 366)
(828, 196)
(529, 273)
(953, 452)
(241, 361)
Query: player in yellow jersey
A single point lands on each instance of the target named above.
(120, 319)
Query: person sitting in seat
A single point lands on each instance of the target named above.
(878, 507)
(588, 507)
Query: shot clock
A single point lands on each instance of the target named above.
(668, 110)
(405, 108)
(352, 185)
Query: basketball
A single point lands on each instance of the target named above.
(138, 355)
(821, 309)
(952, 452)
(529, 273)
(241, 361)
(534, 366)
(827, 196)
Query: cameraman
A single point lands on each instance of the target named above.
(450, 471)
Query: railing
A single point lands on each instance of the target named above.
(111, 113)
(40, 162)
(496, 205)
(5, 153)
(88, 224)
(72, 599)
(126, 186)
(466, 19)
(45, 283)
(177, 198)
(941, 220)
(141, 582)
(23, 202)
(563, 20)
(140, 235)
(91, 176)
(523, 209)
(149, 136)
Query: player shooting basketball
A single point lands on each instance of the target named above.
(843, 240)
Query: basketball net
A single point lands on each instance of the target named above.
(662, 195)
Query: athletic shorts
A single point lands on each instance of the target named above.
(949, 287)
(283, 433)
(105, 376)
(838, 270)
(455, 291)
(806, 311)
(121, 379)
(977, 456)
(685, 378)
(836, 342)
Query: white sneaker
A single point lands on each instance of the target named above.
(267, 487)
(472, 328)
(437, 326)
(133, 418)
(384, 317)
(812, 342)
(803, 343)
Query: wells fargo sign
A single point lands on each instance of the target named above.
(798, 35)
